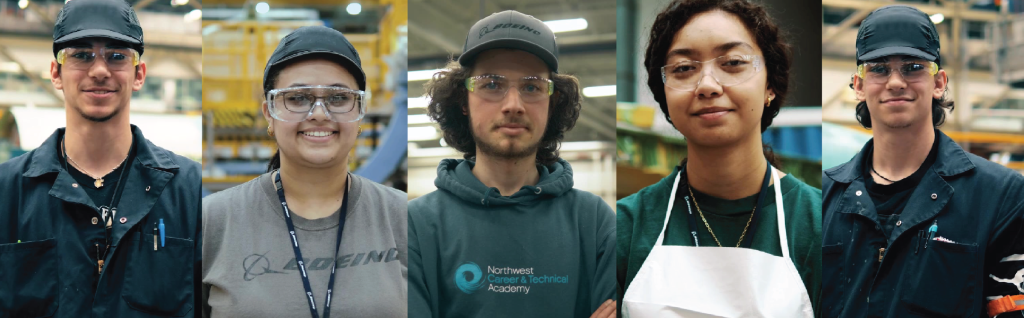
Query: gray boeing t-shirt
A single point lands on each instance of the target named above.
(249, 267)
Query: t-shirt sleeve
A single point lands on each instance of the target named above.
(1004, 268)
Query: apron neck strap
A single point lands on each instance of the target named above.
(778, 209)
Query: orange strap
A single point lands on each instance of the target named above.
(1005, 304)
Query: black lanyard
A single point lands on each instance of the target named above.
(683, 191)
(298, 252)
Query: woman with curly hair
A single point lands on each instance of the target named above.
(726, 234)
(506, 234)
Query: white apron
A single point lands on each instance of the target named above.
(688, 281)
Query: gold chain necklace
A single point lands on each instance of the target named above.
(98, 182)
(709, 226)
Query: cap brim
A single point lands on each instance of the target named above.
(348, 63)
(546, 56)
(895, 50)
(96, 33)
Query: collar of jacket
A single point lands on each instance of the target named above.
(46, 158)
(950, 161)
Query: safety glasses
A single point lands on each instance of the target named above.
(912, 71)
(80, 58)
(727, 70)
(296, 104)
(493, 88)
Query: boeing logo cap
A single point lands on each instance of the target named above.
(511, 30)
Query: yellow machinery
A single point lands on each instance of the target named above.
(234, 56)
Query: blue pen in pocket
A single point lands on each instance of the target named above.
(163, 233)
(931, 232)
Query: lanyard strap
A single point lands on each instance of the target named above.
(298, 252)
(683, 190)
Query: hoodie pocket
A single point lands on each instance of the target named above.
(28, 279)
(160, 282)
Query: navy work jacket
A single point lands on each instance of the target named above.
(978, 207)
(53, 271)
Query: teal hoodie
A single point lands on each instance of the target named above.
(545, 251)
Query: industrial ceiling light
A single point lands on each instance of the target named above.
(567, 25)
(354, 8)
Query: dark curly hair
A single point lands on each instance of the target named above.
(449, 97)
(771, 40)
(939, 106)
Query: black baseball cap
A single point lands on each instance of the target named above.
(112, 19)
(897, 30)
(511, 30)
(316, 40)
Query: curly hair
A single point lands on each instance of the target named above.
(449, 98)
(939, 106)
(776, 51)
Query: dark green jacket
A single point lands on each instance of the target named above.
(53, 271)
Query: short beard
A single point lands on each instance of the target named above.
(493, 150)
(99, 119)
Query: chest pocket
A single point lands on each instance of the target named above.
(28, 279)
(160, 282)
(939, 282)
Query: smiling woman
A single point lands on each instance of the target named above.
(308, 203)
(719, 70)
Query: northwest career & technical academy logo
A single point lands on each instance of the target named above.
(469, 278)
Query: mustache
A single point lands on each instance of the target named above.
(519, 121)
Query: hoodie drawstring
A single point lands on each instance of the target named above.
(487, 194)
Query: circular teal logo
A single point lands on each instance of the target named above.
(469, 278)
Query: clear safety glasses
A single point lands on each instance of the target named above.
(727, 70)
(117, 59)
(912, 71)
(493, 88)
(296, 104)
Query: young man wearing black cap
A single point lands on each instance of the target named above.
(914, 226)
(98, 220)
(505, 234)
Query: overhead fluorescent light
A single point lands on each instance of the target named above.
(422, 133)
(419, 119)
(567, 25)
(418, 102)
(262, 7)
(422, 75)
(354, 8)
(22, 4)
(598, 91)
(193, 15)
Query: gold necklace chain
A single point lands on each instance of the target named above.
(709, 226)
(98, 183)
